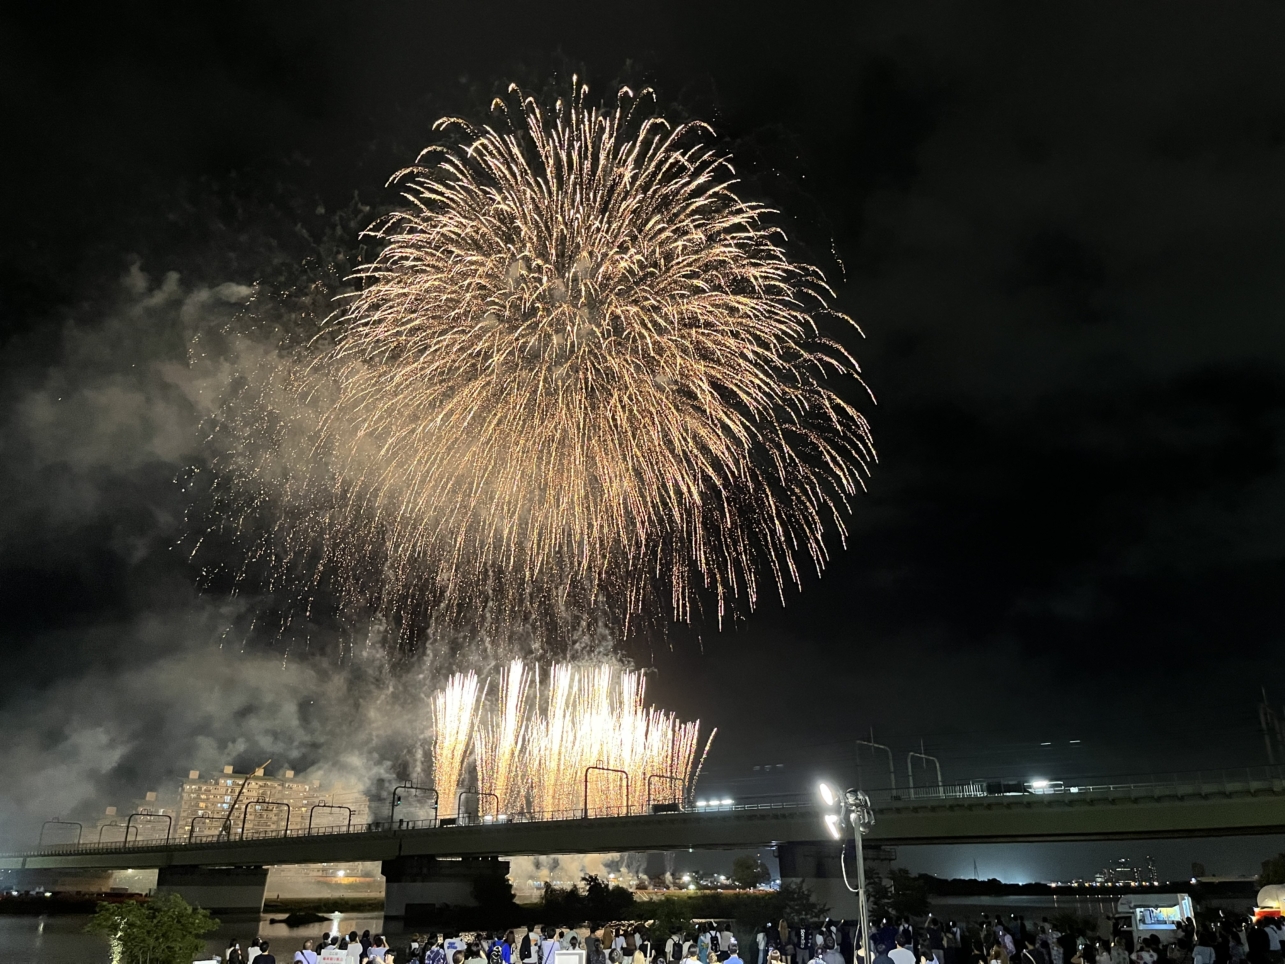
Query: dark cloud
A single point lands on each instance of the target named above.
(1061, 230)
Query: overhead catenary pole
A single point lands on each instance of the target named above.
(892, 773)
(910, 773)
(227, 824)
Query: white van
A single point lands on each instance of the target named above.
(1153, 915)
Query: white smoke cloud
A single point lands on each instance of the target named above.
(156, 677)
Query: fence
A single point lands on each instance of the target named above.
(1200, 783)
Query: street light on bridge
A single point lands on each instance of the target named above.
(854, 809)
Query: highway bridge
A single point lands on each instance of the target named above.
(432, 862)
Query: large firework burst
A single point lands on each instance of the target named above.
(580, 372)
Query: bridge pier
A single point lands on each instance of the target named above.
(815, 864)
(432, 880)
(220, 890)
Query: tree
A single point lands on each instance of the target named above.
(909, 894)
(558, 906)
(604, 902)
(494, 894)
(798, 904)
(599, 902)
(163, 930)
(749, 872)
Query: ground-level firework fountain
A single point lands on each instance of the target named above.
(557, 743)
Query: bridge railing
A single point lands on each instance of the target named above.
(790, 802)
(1193, 783)
(1197, 783)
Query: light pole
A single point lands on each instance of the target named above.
(852, 808)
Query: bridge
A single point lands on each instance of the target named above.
(436, 861)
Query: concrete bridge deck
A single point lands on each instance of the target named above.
(1130, 812)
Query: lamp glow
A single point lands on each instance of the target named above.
(826, 794)
(832, 824)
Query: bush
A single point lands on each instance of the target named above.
(671, 915)
(163, 930)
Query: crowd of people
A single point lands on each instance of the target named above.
(601, 945)
(1230, 939)
(987, 940)
(330, 949)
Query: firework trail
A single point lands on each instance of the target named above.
(535, 758)
(500, 743)
(554, 744)
(580, 372)
(454, 714)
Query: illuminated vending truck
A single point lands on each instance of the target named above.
(1152, 915)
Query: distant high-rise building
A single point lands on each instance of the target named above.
(1122, 872)
(151, 818)
(256, 803)
(111, 827)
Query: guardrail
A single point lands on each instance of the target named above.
(1249, 781)
(576, 814)
(1194, 783)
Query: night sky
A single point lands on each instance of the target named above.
(1060, 227)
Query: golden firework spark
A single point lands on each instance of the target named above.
(454, 715)
(580, 372)
(593, 730)
(501, 742)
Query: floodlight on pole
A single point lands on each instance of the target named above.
(854, 808)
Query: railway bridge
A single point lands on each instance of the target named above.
(435, 862)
